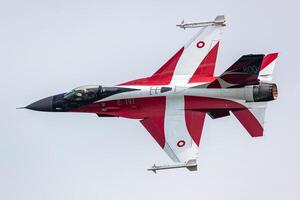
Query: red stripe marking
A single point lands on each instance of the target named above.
(151, 110)
(194, 122)
(207, 66)
(246, 118)
(163, 76)
(249, 121)
(155, 126)
(268, 59)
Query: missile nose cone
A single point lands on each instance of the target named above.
(42, 105)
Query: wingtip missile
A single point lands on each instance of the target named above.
(190, 165)
(218, 21)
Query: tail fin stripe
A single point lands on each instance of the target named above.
(268, 59)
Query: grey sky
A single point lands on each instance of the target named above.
(48, 47)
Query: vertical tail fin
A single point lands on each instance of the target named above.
(243, 72)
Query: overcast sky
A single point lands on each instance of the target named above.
(49, 47)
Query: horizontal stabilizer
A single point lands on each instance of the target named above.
(252, 119)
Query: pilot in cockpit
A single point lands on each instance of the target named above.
(83, 93)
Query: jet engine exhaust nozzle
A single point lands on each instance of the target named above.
(265, 92)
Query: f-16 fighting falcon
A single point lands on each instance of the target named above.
(173, 102)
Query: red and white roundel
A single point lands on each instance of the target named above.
(180, 143)
(200, 44)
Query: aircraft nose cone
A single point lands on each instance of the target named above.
(42, 105)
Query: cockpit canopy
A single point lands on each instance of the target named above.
(83, 93)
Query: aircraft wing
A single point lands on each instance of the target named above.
(177, 131)
(198, 59)
(194, 62)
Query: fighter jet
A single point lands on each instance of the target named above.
(173, 102)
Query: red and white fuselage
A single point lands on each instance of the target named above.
(173, 102)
